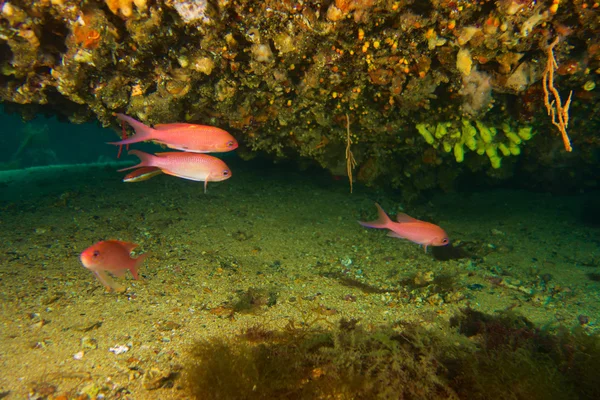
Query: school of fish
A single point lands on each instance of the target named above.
(191, 163)
(113, 257)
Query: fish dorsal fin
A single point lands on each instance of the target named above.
(127, 245)
(166, 153)
(177, 125)
(401, 217)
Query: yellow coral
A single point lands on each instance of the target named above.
(496, 162)
(442, 129)
(468, 135)
(464, 62)
(484, 131)
(424, 131)
(125, 6)
(492, 141)
(504, 149)
(459, 152)
(447, 146)
(525, 133)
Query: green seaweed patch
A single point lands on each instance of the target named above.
(475, 356)
(311, 363)
(534, 362)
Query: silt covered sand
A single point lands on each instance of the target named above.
(266, 248)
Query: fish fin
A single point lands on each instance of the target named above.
(108, 282)
(119, 273)
(382, 222)
(142, 132)
(136, 265)
(176, 125)
(166, 153)
(142, 174)
(127, 245)
(401, 217)
(145, 160)
(425, 247)
(205, 185)
(395, 235)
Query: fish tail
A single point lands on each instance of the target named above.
(142, 132)
(380, 223)
(145, 160)
(136, 265)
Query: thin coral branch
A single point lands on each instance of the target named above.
(558, 111)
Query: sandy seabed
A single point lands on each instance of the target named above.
(288, 238)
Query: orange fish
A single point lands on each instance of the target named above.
(112, 256)
(420, 232)
(181, 136)
(192, 166)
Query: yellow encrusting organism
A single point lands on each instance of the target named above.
(485, 139)
(124, 7)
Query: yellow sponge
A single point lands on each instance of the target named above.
(422, 128)
(483, 138)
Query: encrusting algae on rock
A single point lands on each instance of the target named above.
(282, 76)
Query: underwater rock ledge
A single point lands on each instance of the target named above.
(396, 82)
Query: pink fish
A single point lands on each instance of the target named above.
(420, 232)
(112, 256)
(192, 166)
(181, 136)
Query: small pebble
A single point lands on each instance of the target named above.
(78, 355)
(119, 349)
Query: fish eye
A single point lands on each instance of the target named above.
(445, 240)
(226, 172)
(230, 143)
(96, 253)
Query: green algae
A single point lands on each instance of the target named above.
(474, 356)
